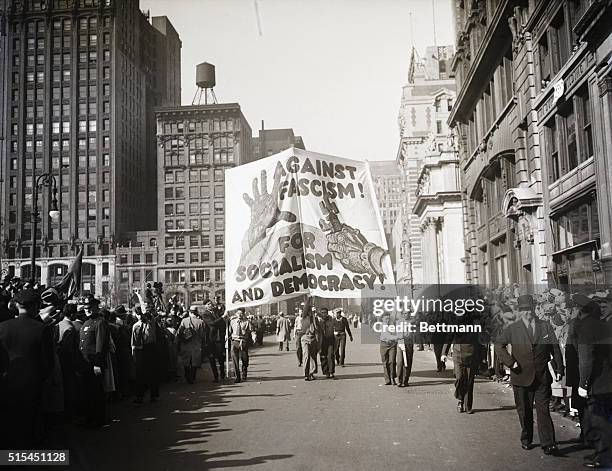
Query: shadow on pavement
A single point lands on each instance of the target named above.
(171, 434)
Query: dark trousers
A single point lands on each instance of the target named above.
(524, 398)
(438, 353)
(340, 348)
(216, 355)
(328, 353)
(280, 345)
(404, 368)
(95, 404)
(388, 353)
(240, 355)
(310, 357)
(597, 426)
(465, 374)
(190, 373)
(298, 348)
(147, 376)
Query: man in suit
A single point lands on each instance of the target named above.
(26, 360)
(534, 344)
(466, 349)
(594, 339)
(215, 332)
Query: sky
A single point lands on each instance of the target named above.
(332, 70)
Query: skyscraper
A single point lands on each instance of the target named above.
(196, 145)
(83, 78)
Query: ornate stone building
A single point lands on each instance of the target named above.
(533, 124)
(427, 99)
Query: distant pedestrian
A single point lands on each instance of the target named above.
(190, 339)
(388, 350)
(341, 330)
(283, 332)
(466, 348)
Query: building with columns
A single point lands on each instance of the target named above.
(440, 215)
(534, 140)
(427, 99)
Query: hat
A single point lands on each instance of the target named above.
(603, 296)
(525, 301)
(581, 300)
(26, 297)
(193, 309)
(90, 300)
(50, 296)
(120, 310)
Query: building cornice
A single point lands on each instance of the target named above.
(484, 59)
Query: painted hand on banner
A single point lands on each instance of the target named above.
(265, 212)
(348, 245)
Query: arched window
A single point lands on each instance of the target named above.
(56, 272)
(26, 272)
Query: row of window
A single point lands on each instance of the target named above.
(180, 257)
(214, 125)
(494, 99)
(194, 224)
(195, 192)
(59, 109)
(196, 276)
(195, 241)
(136, 259)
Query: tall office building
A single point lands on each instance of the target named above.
(427, 99)
(196, 145)
(83, 77)
(387, 185)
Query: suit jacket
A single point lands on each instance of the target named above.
(531, 354)
(594, 338)
(26, 355)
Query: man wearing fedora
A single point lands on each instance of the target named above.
(94, 338)
(534, 344)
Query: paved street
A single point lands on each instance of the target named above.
(276, 420)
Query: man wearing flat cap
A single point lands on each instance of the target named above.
(26, 360)
(534, 344)
(94, 339)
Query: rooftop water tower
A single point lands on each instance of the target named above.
(205, 80)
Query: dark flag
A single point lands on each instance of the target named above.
(70, 284)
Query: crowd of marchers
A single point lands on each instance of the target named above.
(553, 348)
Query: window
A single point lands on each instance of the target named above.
(568, 136)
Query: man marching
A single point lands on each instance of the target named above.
(341, 329)
(240, 333)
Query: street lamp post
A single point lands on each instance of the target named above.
(46, 180)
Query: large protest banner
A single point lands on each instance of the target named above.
(301, 222)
